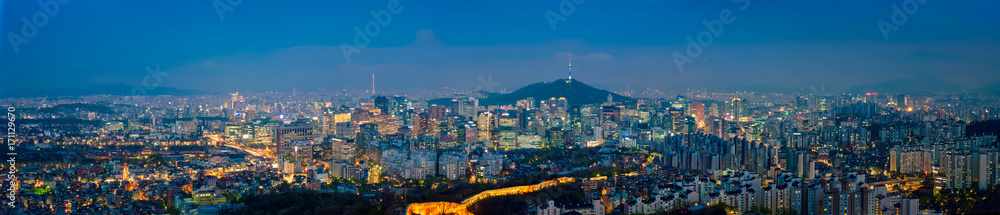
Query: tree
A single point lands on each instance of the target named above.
(428, 181)
(760, 209)
(787, 211)
(233, 198)
(723, 206)
(173, 211)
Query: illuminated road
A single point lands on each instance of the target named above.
(254, 153)
(895, 181)
(217, 139)
(434, 208)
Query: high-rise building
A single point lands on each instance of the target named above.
(907, 160)
(957, 168)
(422, 125)
(698, 111)
(285, 135)
(328, 123)
(715, 126)
(736, 108)
(681, 104)
(343, 149)
(387, 124)
(611, 114)
(988, 170)
(401, 108)
(484, 122)
(528, 103)
(436, 111)
(385, 105)
(456, 108)
(801, 164)
(365, 141)
(360, 115)
(346, 130)
(507, 128)
(713, 110)
(678, 120)
(908, 206)
(557, 107)
(556, 137)
(368, 133)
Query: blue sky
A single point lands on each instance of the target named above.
(279, 45)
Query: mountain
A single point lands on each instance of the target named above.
(756, 88)
(119, 89)
(910, 85)
(575, 92)
(992, 88)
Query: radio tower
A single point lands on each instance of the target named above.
(373, 83)
(570, 66)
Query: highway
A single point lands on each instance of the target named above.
(259, 153)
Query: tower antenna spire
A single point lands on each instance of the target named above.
(570, 66)
(373, 83)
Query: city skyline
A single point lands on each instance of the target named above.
(498, 107)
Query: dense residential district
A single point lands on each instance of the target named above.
(362, 152)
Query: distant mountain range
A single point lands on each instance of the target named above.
(922, 85)
(910, 85)
(575, 92)
(119, 89)
(992, 88)
(756, 88)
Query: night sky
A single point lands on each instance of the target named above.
(280, 45)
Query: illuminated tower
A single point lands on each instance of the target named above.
(571, 66)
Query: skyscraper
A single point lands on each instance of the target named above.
(385, 105)
(285, 135)
(421, 125)
(698, 110)
(436, 112)
(369, 133)
(508, 130)
(736, 108)
(556, 138)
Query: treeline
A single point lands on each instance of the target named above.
(989, 127)
(77, 107)
(65, 121)
(310, 202)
